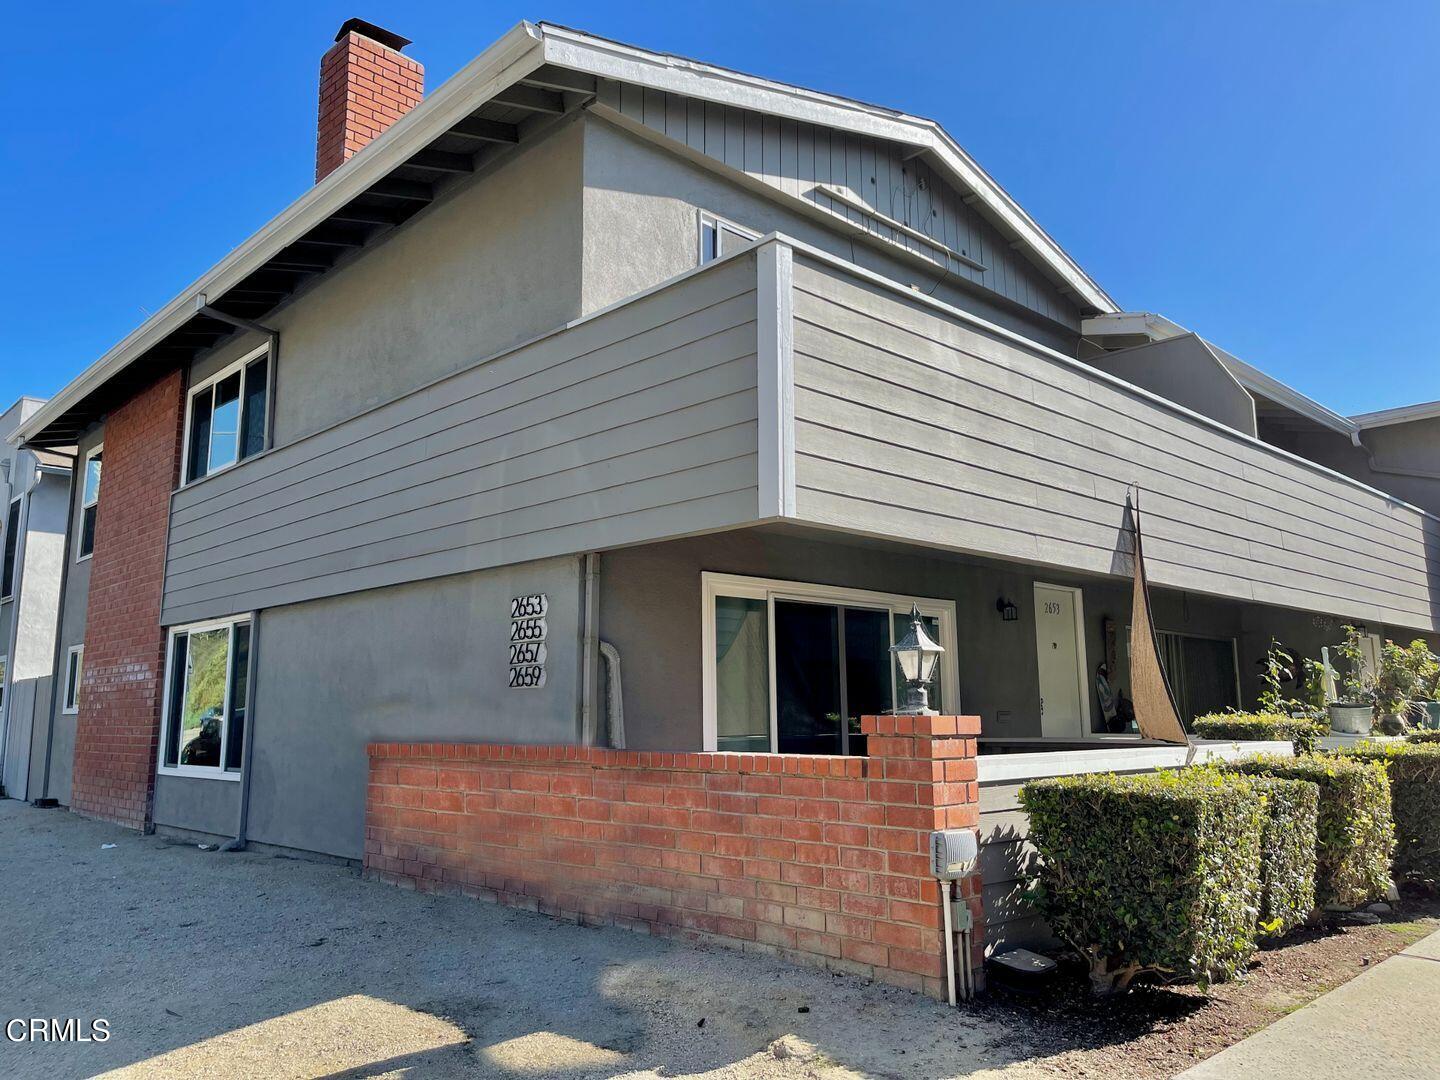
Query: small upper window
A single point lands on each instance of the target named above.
(228, 417)
(720, 237)
(73, 664)
(12, 539)
(89, 502)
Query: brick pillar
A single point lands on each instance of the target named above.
(923, 768)
(117, 731)
(366, 84)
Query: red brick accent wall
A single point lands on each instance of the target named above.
(822, 859)
(364, 88)
(119, 721)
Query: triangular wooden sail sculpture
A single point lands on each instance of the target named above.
(1155, 710)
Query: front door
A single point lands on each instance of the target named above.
(1062, 707)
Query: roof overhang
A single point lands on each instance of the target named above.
(386, 168)
(1404, 414)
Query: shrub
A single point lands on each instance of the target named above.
(1354, 832)
(1287, 853)
(1158, 872)
(1414, 769)
(1303, 734)
(1423, 737)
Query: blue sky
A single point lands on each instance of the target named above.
(1264, 173)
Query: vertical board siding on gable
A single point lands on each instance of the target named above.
(911, 422)
(794, 157)
(635, 425)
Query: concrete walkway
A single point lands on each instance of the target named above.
(1380, 1024)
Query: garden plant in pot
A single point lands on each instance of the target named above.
(1353, 713)
(1395, 688)
(1425, 696)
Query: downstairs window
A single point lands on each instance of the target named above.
(206, 685)
(791, 667)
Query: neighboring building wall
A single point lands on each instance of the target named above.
(493, 263)
(119, 721)
(819, 859)
(74, 601)
(792, 158)
(642, 207)
(32, 659)
(638, 423)
(427, 660)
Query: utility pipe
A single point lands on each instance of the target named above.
(247, 752)
(57, 674)
(589, 647)
(949, 939)
(614, 697)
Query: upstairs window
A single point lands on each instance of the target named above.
(228, 416)
(89, 502)
(720, 237)
(12, 538)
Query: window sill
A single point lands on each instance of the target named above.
(194, 772)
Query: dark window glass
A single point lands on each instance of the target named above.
(200, 435)
(239, 681)
(12, 537)
(252, 423)
(72, 682)
(867, 671)
(87, 530)
(178, 658)
(807, 678)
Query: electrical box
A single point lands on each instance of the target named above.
(953, 852)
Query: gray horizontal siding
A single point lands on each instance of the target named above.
(635, 425)
(910, 422)
(1007, 862)
(794, 157)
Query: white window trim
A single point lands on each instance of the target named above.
(204, 772)
(200, 387)
(713, 585)
(79, 558)
(704, 218)
(1083, 663)
(74, 655)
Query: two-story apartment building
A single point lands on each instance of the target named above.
(33, 492)
(610, 398)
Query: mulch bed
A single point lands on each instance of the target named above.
(1156, 1032)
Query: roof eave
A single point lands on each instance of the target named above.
(514, 55)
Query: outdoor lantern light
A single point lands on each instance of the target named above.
(1007, 609)
(917, 653)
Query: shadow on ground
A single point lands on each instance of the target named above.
(247, 964)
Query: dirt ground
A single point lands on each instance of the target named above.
(252, 965)
(256, 965)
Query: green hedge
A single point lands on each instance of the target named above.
(1287, 853)
(1355, 833)
(1423, 737)
(1157, 872)
(1414, 770)
(1303, 734)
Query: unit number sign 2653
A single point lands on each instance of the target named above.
(527, 641)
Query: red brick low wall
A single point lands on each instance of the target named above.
(822, 859)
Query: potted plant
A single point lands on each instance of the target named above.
(1394, 687)
(1354, 711)
(1425, 697)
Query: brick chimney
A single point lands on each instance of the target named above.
(366, 84)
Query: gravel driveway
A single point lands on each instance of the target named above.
(256, 965)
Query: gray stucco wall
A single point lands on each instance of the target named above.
(417, 662)
(641, 225)
(1185, 371)
(491, 264)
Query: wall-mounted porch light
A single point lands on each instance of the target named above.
(1007, 609)
(918, 654)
